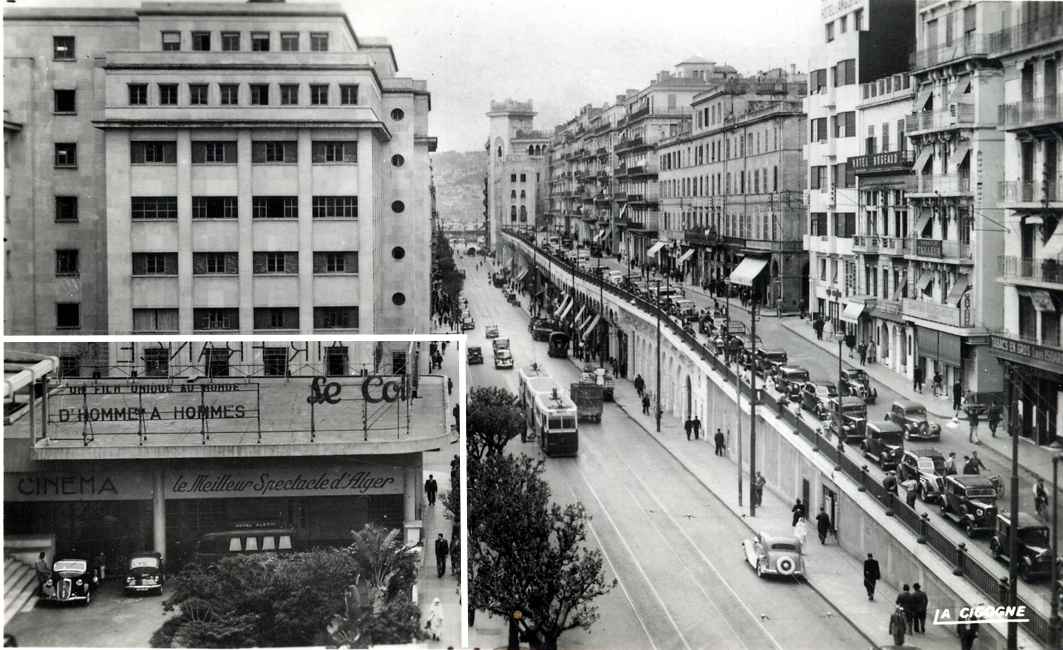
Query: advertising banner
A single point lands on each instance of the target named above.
(277, 481)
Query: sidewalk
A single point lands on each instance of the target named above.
(429, 586)
(1033, 458)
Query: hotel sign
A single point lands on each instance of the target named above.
(831, 8)
(1030, 351)
(340, 480)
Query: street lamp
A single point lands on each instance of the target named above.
(657, 406)
(1053, 622)
(752, 404)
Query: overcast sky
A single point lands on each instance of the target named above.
(562, 54)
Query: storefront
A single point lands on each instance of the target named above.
(1037, 387)
(939, 352)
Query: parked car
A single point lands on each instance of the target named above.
(911, 417)
(774, 555)
(769, 361)
(467, 322)
(1034, 548)
(927, 468)
(883, 443)
(541, 328)
(814, 396)
(72, 580)
(490, 331)
(789, 380)
(969, 501)
(848, 417)
(144, 573)
(474, 355)
(503, 358)
(855, 381)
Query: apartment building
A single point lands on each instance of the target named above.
(211, 168)
(1030, 115)
(855, 42)
(732, 187)
(516, 173)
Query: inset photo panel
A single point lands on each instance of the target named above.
(208, 475)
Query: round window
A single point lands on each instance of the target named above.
(397, 206)
(398, 298)
(398, 160)
(397, 114)
(398, 252)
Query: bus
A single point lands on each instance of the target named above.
(555, 418)
(532, 384)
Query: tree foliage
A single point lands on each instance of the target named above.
(361, 594)
(493, 418)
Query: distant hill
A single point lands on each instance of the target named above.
(459, 177)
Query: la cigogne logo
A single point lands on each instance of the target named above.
(980, 613)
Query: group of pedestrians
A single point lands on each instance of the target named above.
(693, 426)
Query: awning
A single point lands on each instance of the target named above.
(852, 312)
(568, 308)
(561, 307)
(924, 218)
(956, 292)
(590, 328)
(520, 276)
(685, 256)
(924, 95)
(942, 346)
(583, 323)
(924, 281)
(579, 314)
(656, 248)
(924, 156)
(1053, 248)
(899, 289)
(1041, 300)
(747, 271)
(600, 235)
(962, 149)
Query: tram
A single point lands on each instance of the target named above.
(555, 422)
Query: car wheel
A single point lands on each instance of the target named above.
(759, 570)
(968, 529)
(944, 510)
(994, 549)
(88, 598)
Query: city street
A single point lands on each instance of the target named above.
(650, 517)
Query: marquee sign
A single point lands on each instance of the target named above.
(345, 480)
(77, 485)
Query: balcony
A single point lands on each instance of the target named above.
(774, 246)
(934, 312)
(971, 44)
(883, 307)
(1016, 269)
(865, 244)
(957, 115)
(700, 236)
(1045, 111)
(630, 143)
(885, 162)
(942, 184)
(1029, 34)
(1030, 191)
(646, 222)
(938, 249)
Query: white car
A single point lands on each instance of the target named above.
(503, 358)
(774, 555)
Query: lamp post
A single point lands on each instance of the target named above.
(1013, 530)
(657, 406)
(1053, 621)
(603, 350)
(738, 385)
(752, 404)
(572, 327)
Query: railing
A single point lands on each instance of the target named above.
(884, 161)
(775, 246)
(1028, 34)
(878, 89)
(1030, 191)
(985, 579)
(957, 115)
(876, 244)
(883, 306)
(970, 44)
(932, 311)
(1039, 269)
(943, 184)
(939, 249)
(1031, 111)
(629, 143)
(865, 243)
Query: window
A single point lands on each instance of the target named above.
(335, 317)
(289, 41)
(289, 94)
(230, 41)
(214, 207)
(275, 207)
(167, 94)
(318, 42)
(319, 94)
(512, 178)
(274, 151)
(275, 362)
(63, 48)
(138, 94)
(324, 151)
(345, 207)
(215, 263)
(66, 155)
(844, 175)
(275, 262)
(259, 94)
(213, 152)
(845, 72)
(229, 93)
(153, 207)
(67, 315)
(69, 366)
(66, 262)
(335, 365)
(197, 94)
(145, 152)
(523, 178)
(154, 263)
(398, 207)
(201, 41)
(348, 94)
(216, 319)
(156, 360)
(66, 208)
(858, 20)
(818, 81)
(171, 41)
(277, 318)
(830, 31)
(842, 24)
(818, 128)
(817, 177)
(845, 124)
(336, 262)
(397, 114)
(65, 101)
(844, 224)
(260, 41)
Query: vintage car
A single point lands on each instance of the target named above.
(789, 380)
(969, 501)
(854, 381)
(503, 358)
(848, 417)
(467, 322)
(1034, 548)
(144, 573)
(814, 397)
(540, 328)
(883, 443)
(769, 361)
(490, 331)
(72, 579)
(774, 555)
(927, 468)
(499, 344)
(474, 355)
(498, 279)
(911, 416)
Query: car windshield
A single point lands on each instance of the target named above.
(892, 438)
(915, 411)
(857, 375)
(503, 354)
(783, 546)
(856, 410)
(981, 493)
(775, 356)
(144, 563)
(827, 389)
(1034, 536)
(79, 566)
(936, 465)
(797, 375)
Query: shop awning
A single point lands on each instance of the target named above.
(956, 292)
(747, 271)
(561, 307)
(924, 156)
(1053, 248)
(579, 314)
(962, 149)
(924, 95)
(852, 312)
(924, 281)
(924, 218)
(590, 328)
(898, 291)
(520, 276)
(1041, 300)
(656, 248)
(568, 308)
(685, 256)
(583, 323)
(945, 347)
(600, 235)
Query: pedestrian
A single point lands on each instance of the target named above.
(798, 511)
(822, 525)
(430, 488)
(688, 425)
(967, 630)
(967, 468)
(976, 463)
(697, 428)
(43, 571)
(456, 411)
(862, 349)
(801, 531)
(645, 404)
(450, 386)
(442, 551)
(919, 605)
(957, 395)
(871, 575)
(972, 419)
(639, 384)
(950, 464)
(917, 379)
(718, 439)
(911, 490)
(897, 626)
(758, 489)
(434, 624)
(904, 601)
(994, 417)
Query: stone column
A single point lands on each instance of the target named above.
(158, 512)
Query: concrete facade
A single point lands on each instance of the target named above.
(516, 169)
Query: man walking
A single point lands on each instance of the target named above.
(994, 417)
(442, 551)
(430, 488)
(904, 601)
(897, 626)
(758, 489)
(799, 512)
(919, 603)
(639, 384)
(957, 395)
(43, 571)
(697, 428)
(950, 464)
(450, 386)
(968, 631)
(976, 463)
(871, 575)
(822, 525)
(645, 404)
(456, 410)
(688, 425)
(917, 379)
(972, 419)
(718, 439)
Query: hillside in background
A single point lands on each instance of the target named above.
(459, 177)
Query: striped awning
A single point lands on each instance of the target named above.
(1041, 300)
(590, 327)
(924, 281)
(520, 276)
(924, 218)
(579, 314)
(962, 149)
(852, 312)
(600, 235)
(957, 289)
(747, 271)
(656, 248)
(568, 308)
(685, 256)
(924, 156)
(562, 308)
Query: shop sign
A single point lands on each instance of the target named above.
(375, 389)
(224, 483)
(1028, 350)
(88, 485)
(101, 402)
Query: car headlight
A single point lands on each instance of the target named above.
(48, 582)
(129, 580)
(79, 582)
(978, 511)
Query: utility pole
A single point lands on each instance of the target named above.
(753, 405)
(603, 344)
(1053, 622)
(738, 384)
(1013, 530)
(657, 405)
